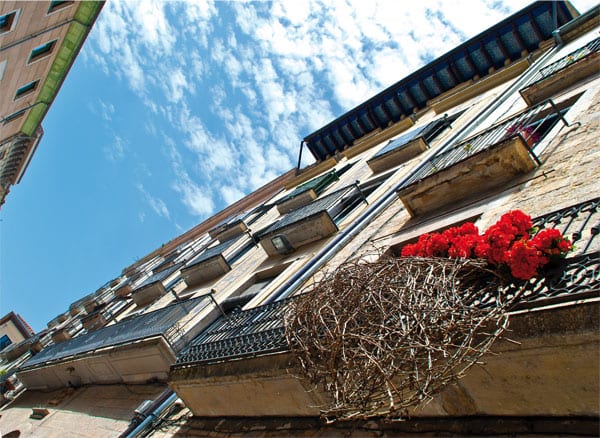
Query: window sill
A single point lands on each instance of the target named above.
(206, 270)
(148, 294)
(313, 228)
(398, 156)
(477, 174)
(561, 80)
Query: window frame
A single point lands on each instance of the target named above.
(14, 116)
(11, 18)
(26, 89)
(56, 6)
(37, 57)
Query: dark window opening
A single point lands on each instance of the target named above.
(7, 21)
(57, 5)
(4, 342)
(13, 116)
(26, 89)
(41, 51)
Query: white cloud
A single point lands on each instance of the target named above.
(197, 199)
(239, 84)
(178, 85)
(154, 28)
(231, 194)
(155, 203)
(115, 151)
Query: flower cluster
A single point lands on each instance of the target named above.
(528, 133)
(510, 242)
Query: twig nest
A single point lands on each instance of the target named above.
(383, 337)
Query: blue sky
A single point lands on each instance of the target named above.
(174, 110)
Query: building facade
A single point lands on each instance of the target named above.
(38, 44)
(506, 121)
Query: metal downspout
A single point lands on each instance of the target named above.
(298, 279)
(150, 419)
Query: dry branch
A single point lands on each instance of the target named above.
(385, 336)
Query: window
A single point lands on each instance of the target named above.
(26, 89)
(410, 144)
(483, 162)
(564, 73)
(4, 342)
(41, 51)
(58, 5)
(253, 287)
(2, 68)
(310, 222)
(13, 116)
(7, 22)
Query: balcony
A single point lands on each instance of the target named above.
(124, 289)
(565, 72)
(241, 366)
(244, 355)
(309, 223)
(94, 320)
(153, 287)
(306, 193)
(480, 164)
(408, 145)
(135, 350)
(215, 261)
(229, 228)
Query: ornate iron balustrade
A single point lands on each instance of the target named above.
(260, 330)
(580, 223)
(162, 322)
(579, 274)
(531, 125)
(240, 334)
(568, 60)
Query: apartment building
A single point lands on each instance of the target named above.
(195, 338)
(39, 42)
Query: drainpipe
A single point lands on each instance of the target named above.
(332, 248)
(567, 27)
(160, 405)
(299, 157)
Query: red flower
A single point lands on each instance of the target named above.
(463, 240)
(507, 242)
(524, 260)
(437, 246)
(410, 250)
(552, 243)
(517, 223)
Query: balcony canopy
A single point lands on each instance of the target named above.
(510, 40)
(162, 322)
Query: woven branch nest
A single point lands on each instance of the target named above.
(384, 337)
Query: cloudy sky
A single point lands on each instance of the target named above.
(174, 110)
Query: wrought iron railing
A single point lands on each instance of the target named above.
(163, 322)
(531, 125)
(260, 330)
(240, 334)
(580, 223)
(566, 61)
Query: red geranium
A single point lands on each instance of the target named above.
(506, 243)
(552, 243)
(524, 260)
